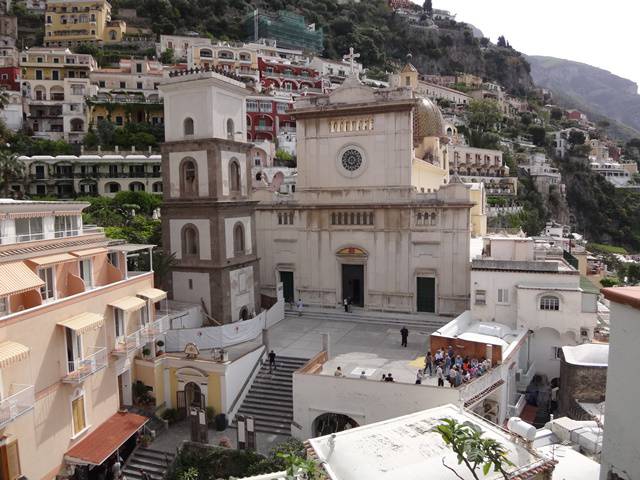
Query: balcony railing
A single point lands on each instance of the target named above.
(21, 400)
(130, 343)
(515, 409)
(474, 391)
(82, 368)
(264, 128)
(153, 330)
(524, 378)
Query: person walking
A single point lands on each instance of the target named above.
(299, 306)
(447, 365)
(440, 375)
(419, 377)
(345, 302)
(272, 361)
(428, 364)
(404, 334)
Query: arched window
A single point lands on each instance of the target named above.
(188, 126)
(188, 177)
(234, 176)
(190, 243)
(238, 239)
(549, 302)
(230, 129)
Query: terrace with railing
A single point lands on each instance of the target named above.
(80, 369)
(19, 400)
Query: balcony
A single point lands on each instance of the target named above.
(129, 344)
(21, 400)
(475, 391)
(264, 128)
(154, 329)
(82, 368)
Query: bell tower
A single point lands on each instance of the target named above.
(208, 215)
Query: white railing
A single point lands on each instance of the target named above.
(495, 211)
(526, 377)
(471, 392)
(21, 399)
(130, 343)
(516, 410)
(81, 368)
(32, 237)
(152, 330)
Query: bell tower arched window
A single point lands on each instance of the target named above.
(238, 240)
(190, 241)
(188, 126)
(230, 129)
(234, 176)
(188, 178)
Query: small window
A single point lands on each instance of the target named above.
(230, 129)
(550, 303)
(139, 85)
(79, 416)
(123, 84)
(4, 306)
(238, 239)
(47, 291)
(503, 296)
(188, 126)
(190, 241)
(190, 284)
(138, 67)
(481, 297)
(234, 176)
(556, 352)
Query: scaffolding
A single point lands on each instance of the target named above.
(287, 28)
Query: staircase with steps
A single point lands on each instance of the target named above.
(427, 322)
(270, 398)
(154, 462)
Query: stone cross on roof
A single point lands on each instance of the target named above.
(351, 56)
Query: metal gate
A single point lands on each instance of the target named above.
(181, 403)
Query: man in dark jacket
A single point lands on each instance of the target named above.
(404, 334)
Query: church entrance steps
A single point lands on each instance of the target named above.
(423, 323)
(154, 462)
(270, 398)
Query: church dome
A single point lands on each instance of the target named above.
(427, 121)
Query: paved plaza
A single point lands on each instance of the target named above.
(302, 337)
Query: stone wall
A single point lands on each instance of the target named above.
(579, 383)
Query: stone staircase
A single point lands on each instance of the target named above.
(426, 323)
(154, 462)
(270, 398)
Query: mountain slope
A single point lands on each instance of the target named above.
(595, 91)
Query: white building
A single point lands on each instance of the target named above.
(614, 172)
(620, 459)
(180, 44)
(545, 177)
(12, 114)
(526, 285)
(335, 70)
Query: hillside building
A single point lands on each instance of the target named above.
(287, 28)
(409, 77)
(268, 118)
(285, 79)
(71, 23)
(241, 59)
(76, 314)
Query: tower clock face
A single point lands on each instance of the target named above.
(351, 160)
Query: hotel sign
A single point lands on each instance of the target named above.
(359, 124)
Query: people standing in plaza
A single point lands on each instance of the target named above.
(419, 377)
(440, 375)
(389, 378)
(447, 364)
(338, 372)
(299, 307)
(404, 335)
(384, 377)
(272, 361)
(363, 375)
(428, 364)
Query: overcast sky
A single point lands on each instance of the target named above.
(600, 33)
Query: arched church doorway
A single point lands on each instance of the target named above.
(352, 261)
(193, 395)
(329, 423)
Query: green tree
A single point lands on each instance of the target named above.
(483, 115)
(167, 57)
(538, 135)
(472, 449)
(427, 6)
(284, 158)
(576, 137)
(10, 167)
(556, 114)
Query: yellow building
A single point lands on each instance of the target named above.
(76, 22)
(75, 316)
(122, 108)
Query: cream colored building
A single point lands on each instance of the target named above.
(374, 217)
(241, 59)
(78, 22)
(409, 77)
(75, 315)
(55, 83)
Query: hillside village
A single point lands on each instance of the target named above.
(246, 253)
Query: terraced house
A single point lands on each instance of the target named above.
(75, 313)
(54, 85)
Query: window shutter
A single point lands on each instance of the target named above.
(10, 460)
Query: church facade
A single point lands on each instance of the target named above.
(375, 217)
(208, 215)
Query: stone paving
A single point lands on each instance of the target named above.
(300, 337)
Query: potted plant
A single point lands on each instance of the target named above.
(146, 352)
(159, 350)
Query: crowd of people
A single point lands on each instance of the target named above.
(448, 366)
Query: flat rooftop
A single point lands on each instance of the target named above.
(407, 448)
(587, 355)
(537, 266)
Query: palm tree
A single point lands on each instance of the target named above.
(10, 167)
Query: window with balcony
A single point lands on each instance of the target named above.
(78, 414)
(282, 108)
(47, 291)
(86, 272)
(265, 107)
(118, 319)
(252, 106)
(66, 226)
(29, 229)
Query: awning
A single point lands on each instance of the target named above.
(11, 352)
(103, 442)
(128, 304)
(51, 259)
(84, 322)
(17, 278)
(153, 294)
(129, 247)
(89, 252)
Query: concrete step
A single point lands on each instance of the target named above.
(269, 390)
(279, 404)
(263, 411)
(274, 380)
(398, 321)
